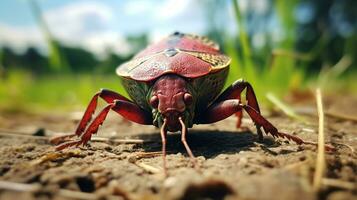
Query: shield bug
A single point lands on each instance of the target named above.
(173, 85)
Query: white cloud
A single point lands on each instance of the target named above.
(87, 24)
(158, 19)
(172, 9)
(74, 20)
(137, 7)
(104, 42)
(84, 24)
(19, 38)
(99, 26)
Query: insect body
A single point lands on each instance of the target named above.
(174, 84)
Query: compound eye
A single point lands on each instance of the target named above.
(154, 101)
(188, 98)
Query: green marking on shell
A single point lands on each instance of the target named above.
(137, 91)
(215, 82)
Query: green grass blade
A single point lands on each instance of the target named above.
(235, 70)
(57, 61)
(247, 67)
(284, 107)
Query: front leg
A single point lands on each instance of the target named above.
(224, 109)
(116, 102)
(232, 92)
(229, 103)
(108, 96)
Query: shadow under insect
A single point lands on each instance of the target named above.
(205, 143)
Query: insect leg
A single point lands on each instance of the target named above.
(108, 96)
(219, 111)
(234, 92)
(93, 127)
(271, 129)
(224, 109)
(127, 109)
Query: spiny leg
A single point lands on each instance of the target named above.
(270, 128)
(107, 95)
(183, 139)
(222, 110)
(234, 92)
(85, 137)
(127, 109)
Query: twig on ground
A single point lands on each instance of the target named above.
(320, 160)
(149, 168)
(339, 184)
(341, 116)
(328, 112)
(51, 156)
(12, 133)
(118, 141)
(140, 155)
(19, 187)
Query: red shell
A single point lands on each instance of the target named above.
(186, 55)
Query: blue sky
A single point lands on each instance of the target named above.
(103, 25)
(142, 12)
(98, 25)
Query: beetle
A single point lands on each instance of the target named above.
(173, 85)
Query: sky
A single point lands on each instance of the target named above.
(102, 25)
(97, 25)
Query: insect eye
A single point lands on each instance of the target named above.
(154, 101)
(188, 98)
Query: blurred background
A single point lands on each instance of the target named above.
(55, 54)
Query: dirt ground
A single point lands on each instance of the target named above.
(232, 164)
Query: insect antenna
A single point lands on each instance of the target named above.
(183, 139)
(163, 133)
